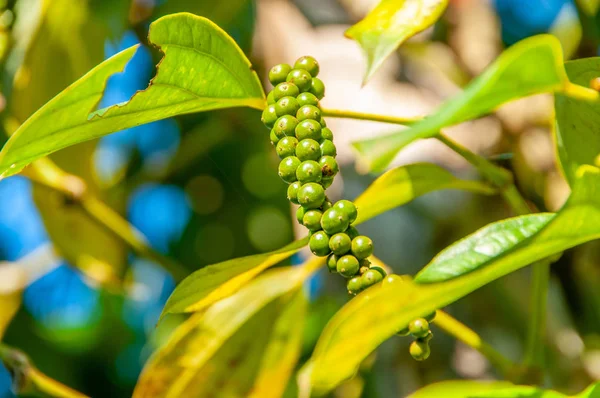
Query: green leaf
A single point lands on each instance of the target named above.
(391, 308)
(203, 69)
(532, 66)
(390, 24)
(482, 247)
(593, 391)
(576, 133)
(245, 344)
(590, 7)
(482, 389)
(215, 282)
(402, 184)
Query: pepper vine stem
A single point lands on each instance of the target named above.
(344, 114)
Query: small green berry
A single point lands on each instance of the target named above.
(308, 129)
(279, 73)
(312, 220)
(309, 64)
(329, 166)
(328, 147)
(307, 99)
(311, 195)
(334, 221)
(319, 244)
(349, 208)
(317, 88)
(403, 332)
(322, 122)
(340, 243)
(427, 338)
(326, 182)
(292, 192)
(391, 279)
(327, 134)
(300, 214)
(309, 112)
(308, 149)
(332, 260)
(354, 285)
(376, 268)
(273, 137)
(347, 266)
(287, 147)
(371, 277)
(419, 350)
(362, 246)
(285, 126)
(300, 78)
(309, 171)
(431, 316)
(326, 205)
(352, 232)
(271, 99)
(419, 327)
(269, 116)
(287, 169)
(287, 106)
(285, 89)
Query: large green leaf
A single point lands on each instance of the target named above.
(532, 66)
(246, 344)
(390, 24)
(482, 389)
(576, 134)
(395, 188)
(402, 184)
(391, 308)
(202, 69)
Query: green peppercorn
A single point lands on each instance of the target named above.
(279, 73)
(403, 332)
(334, 221)
(285, 89)
(327, 134)
(285, 126)
(319, 244)
(427, 338)
(308, 129)
(354, 285)
(332, 260)
(307, 99)
(347, 266)
(329, 166)
(292, 191)
(362, 246)
(322, 122)
(431, 316)
(340, 243)
(273, 137)
(308, 112)
(317, 88)
(419, 327)
(376, 268)
(300, 78)
(349, 208)
(311, 195)
(308, 149)
(328, 147)
(287, 169)
(327, 204)
(287, 147)
(326, 182)
(352, 232)
(309, 64)
(370, 278)
(300, 214)
(269, 116)
(391, 279)
(271, 99)
(419, 350)
(312, 220)
(309, 171)
(287, 106)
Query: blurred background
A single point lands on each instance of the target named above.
(204, 188)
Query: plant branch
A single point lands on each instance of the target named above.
(28, 380)
(463, 333)
(46, 173)
(534, 354)
(344, 114)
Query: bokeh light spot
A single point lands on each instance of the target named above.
(206, 194)
(268, 228)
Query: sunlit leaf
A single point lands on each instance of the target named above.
(402, 184)
(9, 305)
(393, 307)
(590, 7)
(482, 389)
(577, 135)
(202, 69)
(236, 347)
(390, 24)
(532, 66)
(592, 391)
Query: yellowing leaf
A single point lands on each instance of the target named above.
(390, 24)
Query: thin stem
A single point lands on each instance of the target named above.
(344, 114)
(29, 380)
(463, 333)
(534, 353)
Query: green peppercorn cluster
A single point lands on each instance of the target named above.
(305, 145)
